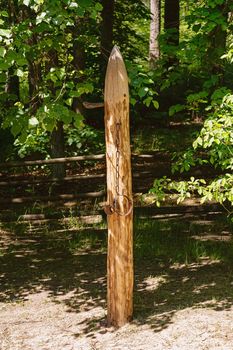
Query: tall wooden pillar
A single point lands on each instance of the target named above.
(119, 193)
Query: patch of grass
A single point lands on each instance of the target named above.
(74, 223)
(173, 242)
(163, 139)
(88, 241)
(168, 241)
(81, 223)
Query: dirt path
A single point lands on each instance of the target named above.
(52, 299)
(41, 323)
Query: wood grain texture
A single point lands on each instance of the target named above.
(120, 228)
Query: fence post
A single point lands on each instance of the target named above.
(119, 193)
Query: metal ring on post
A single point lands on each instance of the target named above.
(130, 206)
(111, 209)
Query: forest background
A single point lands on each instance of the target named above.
(179, 55)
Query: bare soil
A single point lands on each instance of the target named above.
(51, 298)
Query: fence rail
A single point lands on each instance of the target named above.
(146, 167)
(96, 216)
(58, 197)
(152, 156)
(51, 161)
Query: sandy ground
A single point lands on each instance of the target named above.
(41, 323)
(52, 299)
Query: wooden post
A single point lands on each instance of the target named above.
(119, 193)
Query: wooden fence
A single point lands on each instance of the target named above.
(146, 167)
(32, 187)
(77, 180)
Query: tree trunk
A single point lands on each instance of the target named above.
(58, 150)
(78, 64)
(119, 193)
(34, 80)
(12, 85)
(57, 142)
(12, 88)
(34, 65)
(106, 33)
(172, 21)
(171, 26)
(217, 43)
(154, 32)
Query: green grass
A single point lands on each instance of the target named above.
(175, 242)
(168, 241)
(88, 241)
(163, 139)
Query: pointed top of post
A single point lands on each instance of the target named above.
(116, 79)
(116, 55)
(115, 52)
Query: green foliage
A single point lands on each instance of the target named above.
(229, 54)
(204, 72)
(51, 52)
(36, 142)
(131, 30)
(185, 161)
(50, 62)
(141, 86)
(176, 109)
(84, 140)
(216, 140)
(36, 48)
(49, 114)
(199, 63)
(158, 189)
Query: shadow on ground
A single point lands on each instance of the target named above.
(30, 263)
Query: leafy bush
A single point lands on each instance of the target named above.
(37, 141)
(142, 88)
(79, 141)
(84, 140)
(215, 140)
